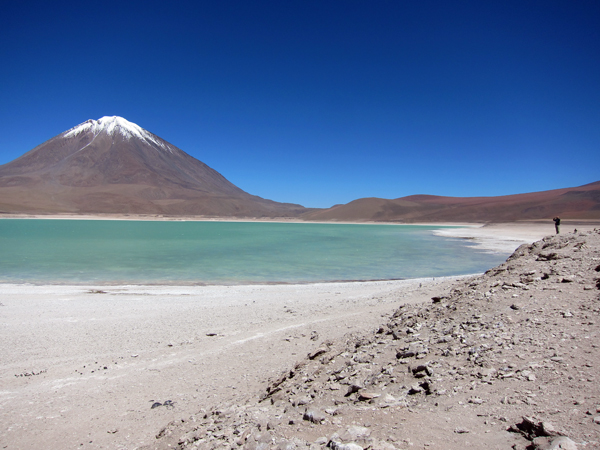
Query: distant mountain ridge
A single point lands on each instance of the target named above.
(112, 165)
(581, 202)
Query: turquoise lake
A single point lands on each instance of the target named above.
(179, 252)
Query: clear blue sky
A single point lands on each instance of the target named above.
(321, 102)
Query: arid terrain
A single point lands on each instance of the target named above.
(581, 202)
(432, 363)
(508, 359)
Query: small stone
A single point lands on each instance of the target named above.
(462, 430)
(421, 371)
(355, 432)
(303, 401)
(528, 375)
(554, 443)
(364, 396)
(334, 445)
(314, 416)
(415, 389)
(597, 420)
(318, 352)
(476, 400)
(548, 429)
(531, 428)
(486, 372)
(353, 388)
(389, 398)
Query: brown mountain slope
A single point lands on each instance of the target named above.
(575, 203)
(114, 166)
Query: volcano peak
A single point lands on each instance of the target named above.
(115, 125)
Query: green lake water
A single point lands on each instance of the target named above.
(179, 252)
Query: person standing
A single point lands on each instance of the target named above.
(557, 224)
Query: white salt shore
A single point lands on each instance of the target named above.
(81, 366)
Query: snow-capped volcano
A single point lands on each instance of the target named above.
(113, 125)
(110, 124)
(113, 165)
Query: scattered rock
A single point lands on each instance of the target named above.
(531, 428)
(318, 352)
(334, 445)
(314, 416)
(353, 388)
(168, 404)
(364, 396)
(554, 443)
(304, 400)
(355, 432)
(473, 357)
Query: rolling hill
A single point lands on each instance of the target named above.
(581, 202)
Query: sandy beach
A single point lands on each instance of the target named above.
(82, 366)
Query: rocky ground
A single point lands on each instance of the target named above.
(508, 359)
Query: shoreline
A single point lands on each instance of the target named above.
(200, 218)
(502, 239)
(160, 218)
(81, 366)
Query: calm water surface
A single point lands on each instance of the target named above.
(137, 252)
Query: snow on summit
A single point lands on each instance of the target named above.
(116, 125)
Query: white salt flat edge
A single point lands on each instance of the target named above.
(490, 239)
